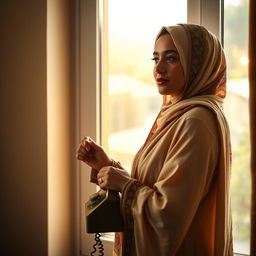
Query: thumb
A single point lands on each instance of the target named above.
(91, 144)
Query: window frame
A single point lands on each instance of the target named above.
(91, 56)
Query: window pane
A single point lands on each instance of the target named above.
(133, 97)
(236, 108)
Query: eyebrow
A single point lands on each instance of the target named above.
(166, 52)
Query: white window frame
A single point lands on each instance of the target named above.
(88, 106)
(89, 78)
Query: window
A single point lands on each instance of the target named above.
(133, 97)
(236, 108)
(115, 85)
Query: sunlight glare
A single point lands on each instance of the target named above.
(151, 14)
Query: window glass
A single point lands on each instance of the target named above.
(133, 101)
(236, 108)
(133, 97)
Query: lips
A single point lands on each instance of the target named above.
(161, 81)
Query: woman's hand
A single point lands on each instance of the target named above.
(112, 178)
(92, 154)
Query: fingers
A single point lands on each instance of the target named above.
(83, 154)
(84, 149)
(83, 157)
(92, 154)
(90, 144)
(86, 143)
(112, 178)
(104, 176)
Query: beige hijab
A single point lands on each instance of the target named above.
(204, 65)
(202, 58)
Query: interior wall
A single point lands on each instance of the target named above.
(60, 119)
(23, 128)
(37, 129)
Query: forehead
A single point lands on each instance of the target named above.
(163, 43)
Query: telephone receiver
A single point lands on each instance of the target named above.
(103, 212)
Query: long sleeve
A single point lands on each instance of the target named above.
(162, 215)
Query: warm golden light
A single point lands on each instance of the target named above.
(244, 61)
(233, 2)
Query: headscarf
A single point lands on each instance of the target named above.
(202, 59)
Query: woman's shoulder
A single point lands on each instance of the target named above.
(202, 115)
(199, 112)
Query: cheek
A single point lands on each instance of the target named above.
(181, 78)
(179, 75)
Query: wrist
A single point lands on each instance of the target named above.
(108, 162)
(123, 183)
(116, 164)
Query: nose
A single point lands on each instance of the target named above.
(160, 67)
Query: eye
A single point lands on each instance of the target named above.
(155, 59)
(171, 58)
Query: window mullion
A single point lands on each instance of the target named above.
(194, 11)
(88, 101)
(206, 13)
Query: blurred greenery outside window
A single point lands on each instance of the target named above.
(133, 99)
(236, 108)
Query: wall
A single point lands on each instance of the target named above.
(23, 127)
(37, 199)
(60, 128)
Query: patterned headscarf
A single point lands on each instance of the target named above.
(202, 59)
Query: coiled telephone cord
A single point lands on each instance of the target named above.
(99, 244)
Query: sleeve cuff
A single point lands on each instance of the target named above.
(129, 191)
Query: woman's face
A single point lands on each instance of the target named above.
(168, 71)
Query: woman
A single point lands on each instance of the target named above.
(176, 201)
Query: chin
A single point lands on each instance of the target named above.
(163, 92)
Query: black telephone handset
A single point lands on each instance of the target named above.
(103, 214)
